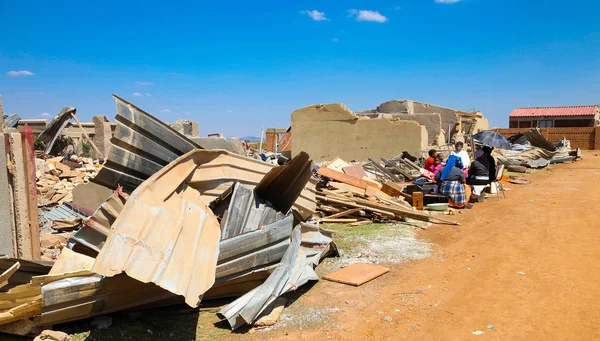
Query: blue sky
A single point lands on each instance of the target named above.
(235, 66)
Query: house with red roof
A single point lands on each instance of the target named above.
(555, 117)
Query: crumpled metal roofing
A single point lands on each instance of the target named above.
(53, 129)
(141, 146)
(11, 120)
(586, 110)
(63, 212)
(166, 235)
(91, 236)
(309, 244)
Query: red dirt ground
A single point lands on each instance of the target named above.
(528, 265)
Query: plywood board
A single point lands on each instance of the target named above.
(357, 274)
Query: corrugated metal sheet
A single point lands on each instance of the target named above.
(218, 170)
(309, 244)
(589, 110)
(165, 235)
(141, 146)
(53, 129)
(64, 212)
(92, 235)
(11, 120)
(245, 213)
(215, 173)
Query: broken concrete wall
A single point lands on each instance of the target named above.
(450, 119)
(186, 127)
(102, 134)
(332, 130)
(432, 122)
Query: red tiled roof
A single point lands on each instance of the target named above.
(588, 110)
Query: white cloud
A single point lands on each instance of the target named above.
(315, 15)
(365, 15)
(165, 110)
(137, 94)
(20, 73)
(186, 113)
(397, 8)
(148, 94)
(143, 83)
(335, 40)
(45, 114)
(447, 1)
(228, 110)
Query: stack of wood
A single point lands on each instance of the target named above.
(56, 180)
(356, 201)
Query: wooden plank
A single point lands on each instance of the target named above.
(354, 204)
(357, 274)
(346, 187)
(5, 276)
(392, 189)
(341, 177)
(344, 213)
(348, 220)
(418, 200)
(32, 203)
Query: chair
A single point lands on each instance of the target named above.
(498, 181)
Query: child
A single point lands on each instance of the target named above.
(429, 162)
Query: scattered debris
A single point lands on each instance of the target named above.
(357, 274)
(51, 335)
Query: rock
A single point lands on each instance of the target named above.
(388, 319)
(51, 335)
(53, 241)
(271, 314)
(102, 322)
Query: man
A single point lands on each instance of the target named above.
(464, 157)
(430, 160)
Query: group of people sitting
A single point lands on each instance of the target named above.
(461, 180)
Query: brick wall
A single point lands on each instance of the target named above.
(271, 141)
(585, 138)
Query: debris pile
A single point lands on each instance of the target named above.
(207, 224)
(56, 180)
(356, 197)
(532, 150)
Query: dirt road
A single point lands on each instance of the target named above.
(529, 266)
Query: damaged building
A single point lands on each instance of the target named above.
(332, 130)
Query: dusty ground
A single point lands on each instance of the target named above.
(524, 268)
(528, 266)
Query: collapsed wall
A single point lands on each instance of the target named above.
(450, 117)
(326, 131)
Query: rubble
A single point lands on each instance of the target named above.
(170, 219)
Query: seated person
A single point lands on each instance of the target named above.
(482, 171)
(429, 162)
(452, 183)
(437, 164)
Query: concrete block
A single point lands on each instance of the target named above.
(102, 134)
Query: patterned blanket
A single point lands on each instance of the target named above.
(455, 191)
